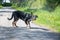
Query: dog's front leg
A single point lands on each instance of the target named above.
(27, 24)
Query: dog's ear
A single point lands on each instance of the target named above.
(36, 16)
(31, 13)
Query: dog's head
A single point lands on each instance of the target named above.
(31, 17)
(34, 17)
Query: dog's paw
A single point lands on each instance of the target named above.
(17, 26)
(28, 27)
(7, 18)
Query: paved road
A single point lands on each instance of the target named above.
(22, 33)
(7, 32)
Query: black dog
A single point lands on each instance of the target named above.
(23, 16)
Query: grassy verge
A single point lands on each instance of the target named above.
(0, 6)
(51, 19)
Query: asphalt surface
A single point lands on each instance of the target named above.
(7, 32)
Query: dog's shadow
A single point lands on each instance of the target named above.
(23, 28)
(39, 28)
(35, 28)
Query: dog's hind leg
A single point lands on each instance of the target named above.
(14, 22)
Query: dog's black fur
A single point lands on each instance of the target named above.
(23, 16)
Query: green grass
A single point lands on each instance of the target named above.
(0, 6)
(50, 19)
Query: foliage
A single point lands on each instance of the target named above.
(51, 4)
(0, 3)
(6, 4)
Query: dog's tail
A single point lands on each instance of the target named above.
(10, 18)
